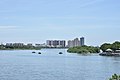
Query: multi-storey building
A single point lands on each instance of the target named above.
(76, 42)
(40, 45)
(9, 44)
(29, 44)
(14, 44)
(56, 43)
(82, 41)
(70, 43)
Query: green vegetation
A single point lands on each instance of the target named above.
(2, 47)
(90, 49)
(114, 46)
(115, 77)
(84, 49)
(25, 47)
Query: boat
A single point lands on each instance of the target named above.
(33, 52)
(60, 53)
(39, 52)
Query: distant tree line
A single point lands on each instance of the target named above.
(4, 47)
(84, 49)
(114, 46)
(90, 49)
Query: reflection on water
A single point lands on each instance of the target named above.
(50, 65)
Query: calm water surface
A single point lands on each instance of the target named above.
(25, 65)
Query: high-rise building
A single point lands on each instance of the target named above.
(73, 43)
(76, 42)
(82, 41)
(56, 43)
(70, 43)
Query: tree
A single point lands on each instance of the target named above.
(115, 45)
(105, 46)
(84, 49)
(115, 77)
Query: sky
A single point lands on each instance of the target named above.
(35, 21)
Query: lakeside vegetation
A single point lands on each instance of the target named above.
(91, 49)
(3, 47)
(79, 49)
(115, 77)
(114, 46)
(84, 49)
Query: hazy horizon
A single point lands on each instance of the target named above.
(35, 21)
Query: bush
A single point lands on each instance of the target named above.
(115, 77)
(84, 49)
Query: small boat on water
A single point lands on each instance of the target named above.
(39, 52)
(33, 52)
(60, 53)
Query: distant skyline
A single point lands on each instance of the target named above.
(36, 21)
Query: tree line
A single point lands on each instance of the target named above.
(84, 49)
(91, 49)
(24, 47)
(114, 46)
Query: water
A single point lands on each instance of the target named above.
(25, 65)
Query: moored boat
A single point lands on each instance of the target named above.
(39, 52)
(33, 52)
(60, 53)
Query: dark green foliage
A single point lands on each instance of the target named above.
(105, 46)
(25, 47)
(2, 47)
(115, 77)
(114, 46)
(84, 49)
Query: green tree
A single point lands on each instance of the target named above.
(115, 77)
(115, 45)
(84, 49)
(105, 46)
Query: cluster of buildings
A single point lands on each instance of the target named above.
(76, 42)
(56, 43)
(23, 45)
(52, 43)
(14, 44)
(62, 43)
(18, 45)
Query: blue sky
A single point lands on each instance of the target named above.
(38, 20)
